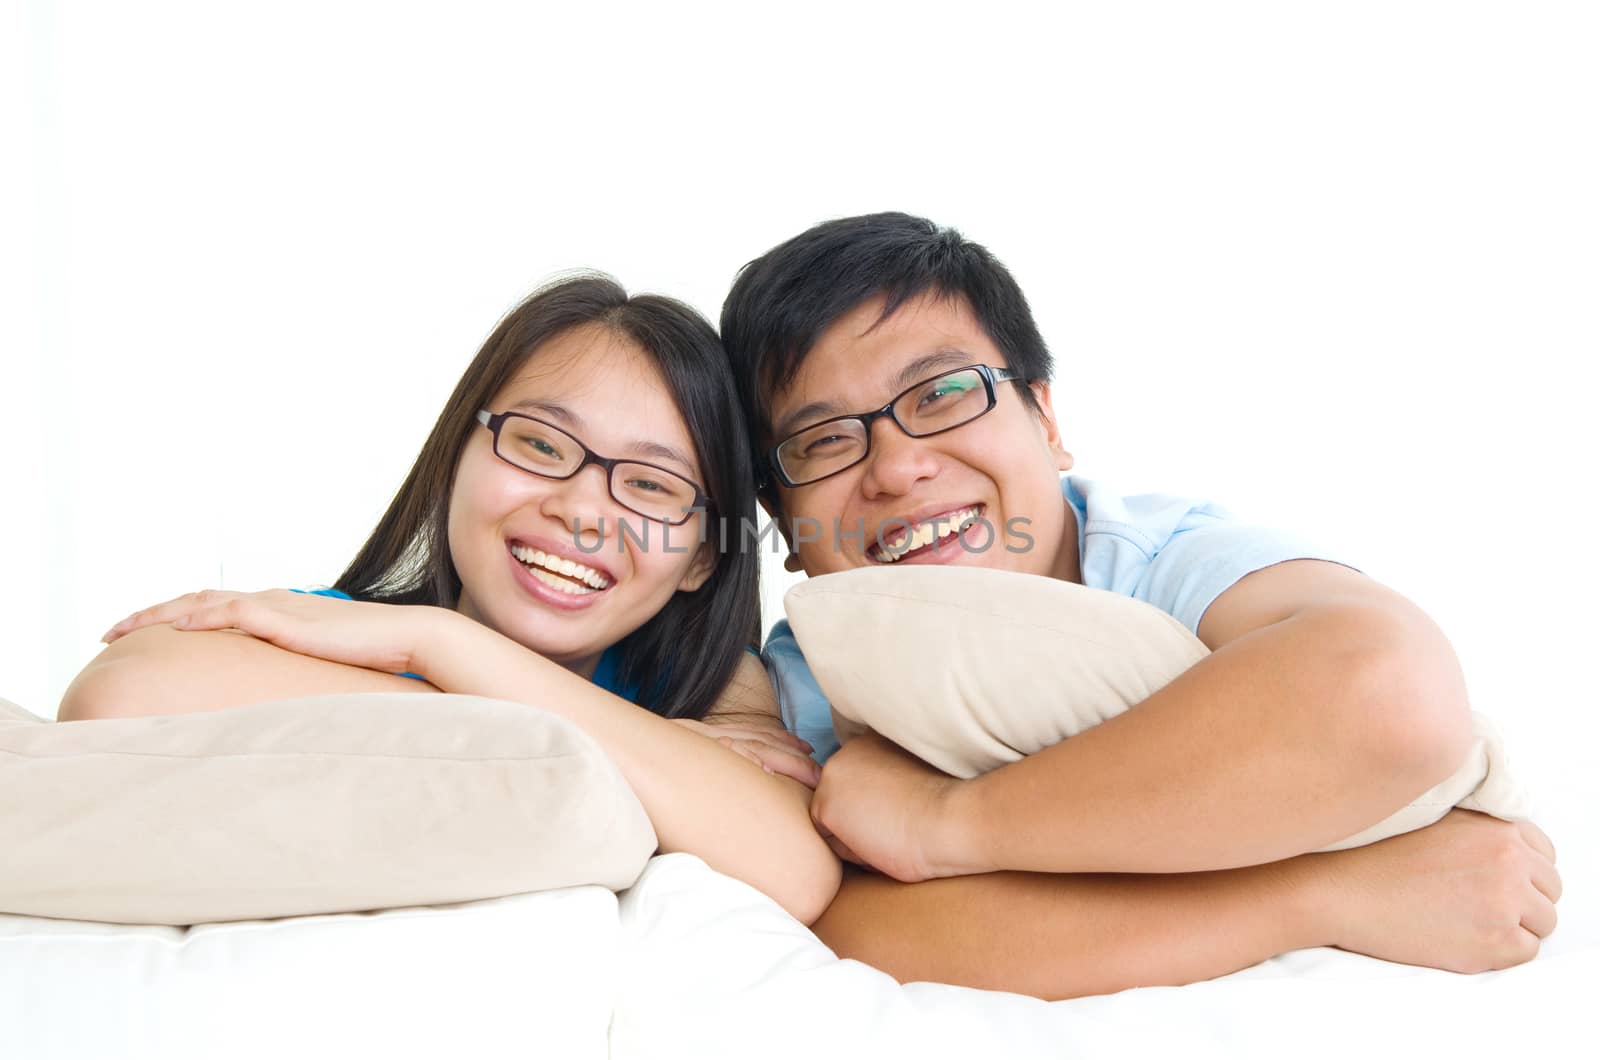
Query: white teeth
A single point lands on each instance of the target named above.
(925, 534)
(539, 562)
(561, 584)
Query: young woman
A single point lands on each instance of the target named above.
(550, 546)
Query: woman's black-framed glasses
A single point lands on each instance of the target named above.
(930, 407)
(543, 449)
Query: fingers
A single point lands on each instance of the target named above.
(1534, 836)
(1546, 880)
(780, 738)
(843, 852)
(217, 616)
(1542, 860)
(787, 742)
(1539, 916)
(163, 613)
(774, 759)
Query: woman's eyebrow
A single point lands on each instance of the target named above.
(658, 451)
(560, 412)
(636, 449)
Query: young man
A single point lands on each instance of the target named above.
(1327, 703)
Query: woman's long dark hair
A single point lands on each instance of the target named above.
(683, 657)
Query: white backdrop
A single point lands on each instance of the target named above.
(1333, 265)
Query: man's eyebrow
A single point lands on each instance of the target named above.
(930, 365)
(922, 368)
(805, 414)
(642, 450)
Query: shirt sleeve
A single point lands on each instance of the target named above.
(803, 707)
(1206, 556)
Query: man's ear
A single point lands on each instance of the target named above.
(1047, 423)
(769, 504)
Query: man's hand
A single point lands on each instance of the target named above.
(1468, 894)
(881, 807)
(774, 750)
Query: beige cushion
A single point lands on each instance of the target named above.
(9, 711)
(969, 669)
(318, 805)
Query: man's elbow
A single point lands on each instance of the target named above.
(1413, 695)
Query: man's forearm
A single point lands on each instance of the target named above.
(1068, 936)
(1285, 740)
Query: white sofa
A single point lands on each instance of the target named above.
(689, 963)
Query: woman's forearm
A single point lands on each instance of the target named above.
(701, 797)
(160, 670)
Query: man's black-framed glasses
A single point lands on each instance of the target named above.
(543, 449)
(932, 406)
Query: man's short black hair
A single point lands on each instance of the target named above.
(782, 301)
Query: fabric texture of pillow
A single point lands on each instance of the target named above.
(9, 711)
(327, 804)
(969, 669)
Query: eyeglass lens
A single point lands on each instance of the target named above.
(642, 488)
(927, 408)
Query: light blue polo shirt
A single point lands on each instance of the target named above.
(1176, 554)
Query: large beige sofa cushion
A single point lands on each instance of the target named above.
(318, 805)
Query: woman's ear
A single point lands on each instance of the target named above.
(1047, 422)
(705, 561)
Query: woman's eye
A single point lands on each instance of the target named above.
(820, 446)
(645, 485)
(540, 446)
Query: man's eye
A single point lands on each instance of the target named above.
(944, 388)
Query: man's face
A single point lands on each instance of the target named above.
(1002, 468)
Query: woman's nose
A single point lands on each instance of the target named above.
(583, 505)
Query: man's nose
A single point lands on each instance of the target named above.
(896, 461)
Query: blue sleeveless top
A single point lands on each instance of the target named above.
(606, 674)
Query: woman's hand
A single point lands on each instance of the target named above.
(774, 750)
(1468, 894)
(375, 636)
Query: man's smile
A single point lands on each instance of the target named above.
(901, 538)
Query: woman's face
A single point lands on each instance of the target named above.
(559, 565)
